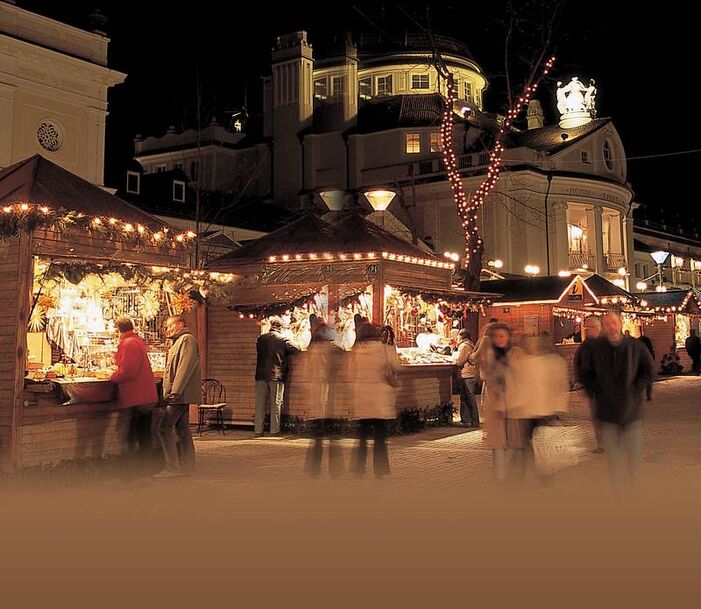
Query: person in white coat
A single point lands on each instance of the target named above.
(375, 366)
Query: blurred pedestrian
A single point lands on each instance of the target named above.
(375, 367)
(615, 373)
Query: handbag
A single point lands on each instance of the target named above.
(557, 446)
(390, 373)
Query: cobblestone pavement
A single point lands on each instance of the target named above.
(250, 530)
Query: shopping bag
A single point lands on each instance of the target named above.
(558, 446)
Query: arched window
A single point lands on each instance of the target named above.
(608, 156)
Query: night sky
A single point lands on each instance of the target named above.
(638, 56)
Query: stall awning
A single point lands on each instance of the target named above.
(274, 299)
(454, 296)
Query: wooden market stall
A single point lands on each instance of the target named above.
(72, 258)
(667, 318)
(557, 305)
(335, 271)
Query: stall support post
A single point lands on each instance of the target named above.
(378, 298)
(333, 292)
(202, 316)
(12, 458)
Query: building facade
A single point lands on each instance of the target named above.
(365, 114)
(54, 80)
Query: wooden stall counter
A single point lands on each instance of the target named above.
(71, 419)
(420, 386)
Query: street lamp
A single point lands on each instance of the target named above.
(335, 199)
(497, 264)
(659, 257)
(532, 269)
(380, 198)
(641, 286)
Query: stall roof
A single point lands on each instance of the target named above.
(311, 234)
(603, 288)
(39, 181)
(550, 289)
(530, 289)
(681, 300)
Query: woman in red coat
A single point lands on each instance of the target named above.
(136, 384)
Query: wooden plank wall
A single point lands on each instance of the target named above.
(231, 359)
(9, 306)
(515, 316)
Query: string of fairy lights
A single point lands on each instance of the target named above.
(31, 216)
(467, 210)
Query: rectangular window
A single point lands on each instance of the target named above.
(178, 166)
(178, 191)
(419, 81)
(585, 157)
(321, 88)
(194, 171)
(468, 93)
(646, 271)
(337, 86)
(436, 143)
(639, 270)
(484, 158)
(160, 168)
(384, 85)
(133, 182)
(413, 143)
(365, 88)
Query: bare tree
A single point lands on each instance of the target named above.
(520, 28)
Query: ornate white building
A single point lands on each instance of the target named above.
(54, 81)
(366, 114)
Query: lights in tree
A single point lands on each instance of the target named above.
(467, 209)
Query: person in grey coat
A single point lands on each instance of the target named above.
(182, 386)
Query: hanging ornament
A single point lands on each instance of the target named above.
(37, 320)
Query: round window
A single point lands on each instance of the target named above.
(50, 135)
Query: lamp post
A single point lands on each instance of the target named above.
(659, 257)
(380, 198)
(335, 199)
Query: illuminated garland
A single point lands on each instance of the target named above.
(457, 300)
(182, 280)
(29, 217)
(327, 256)
(268, 310)
(467, 211)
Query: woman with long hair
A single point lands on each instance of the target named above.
(496, 358)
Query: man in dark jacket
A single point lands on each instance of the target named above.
(693, 348)
(651, 350)
(615, 372)
(271, 370)
(592, 331)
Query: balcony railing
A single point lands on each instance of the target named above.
(613, 262)
(580, 260)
